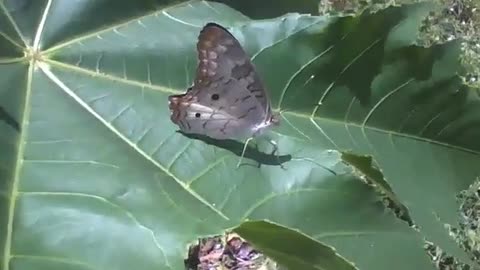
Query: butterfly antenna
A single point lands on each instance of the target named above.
(243, 151)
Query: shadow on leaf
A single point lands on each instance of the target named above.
(9, 119)
(237, 148)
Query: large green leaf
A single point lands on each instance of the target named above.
(97, 177)
(272, 8)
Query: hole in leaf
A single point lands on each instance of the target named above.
(228, 251)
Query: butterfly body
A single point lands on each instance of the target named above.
(227, 99)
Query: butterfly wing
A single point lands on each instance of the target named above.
(222, 57)
(227, 98)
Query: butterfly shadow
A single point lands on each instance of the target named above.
(237, 148)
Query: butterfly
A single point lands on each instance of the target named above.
(227, 99)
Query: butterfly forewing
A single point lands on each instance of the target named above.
(221, 56)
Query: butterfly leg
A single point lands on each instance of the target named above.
(275, 150)
(243, 151)
(258, 151)
(275, 146)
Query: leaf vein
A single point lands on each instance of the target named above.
(111, 27)
(178, 20)
(294, 75)
(404, 135)
(345, 121)
(112, 77)
(315, 124)
(12, 21)
(127, 213)
(281, 40)
(62, 260)
(89, 162)
(46, 69)
(206, 170)
(383, 99)
(274, 195)
(17, 169)
(179, 154)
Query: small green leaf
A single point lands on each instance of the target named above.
(291, 248)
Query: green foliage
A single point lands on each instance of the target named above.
(453, 19)
(291, 248)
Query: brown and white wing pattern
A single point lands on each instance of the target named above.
(227, 99)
